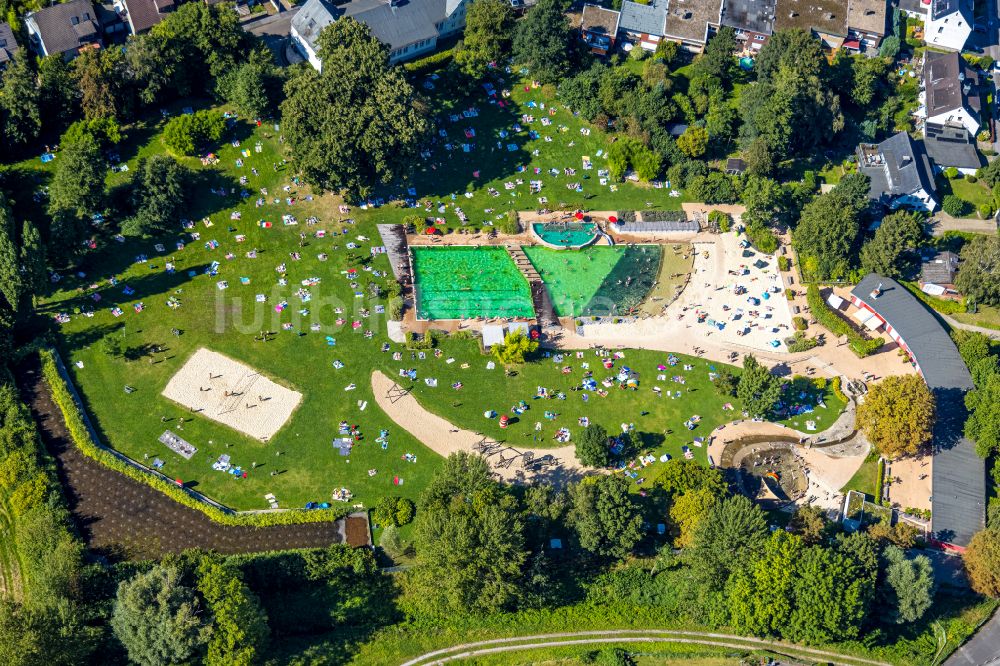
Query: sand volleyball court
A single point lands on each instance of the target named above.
(234, 394)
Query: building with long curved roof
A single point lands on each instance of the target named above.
(958, 475)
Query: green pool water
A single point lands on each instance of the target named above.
(455, 282)
(599, 280)
(571, 234)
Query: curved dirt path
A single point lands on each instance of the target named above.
(442, 437)
(467, 650)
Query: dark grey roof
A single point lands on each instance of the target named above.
(950, 84)
(958, 474)
(952, 146)
(942, 8)
(144, 14)
(896, 167)
(940, 269)
(67, 26)
(735, 165)
(930, 344)
(750, 15)
(8, 45)
(653, 227)
(648, 19)
(405, 23)
(397, 26)
(676, 129)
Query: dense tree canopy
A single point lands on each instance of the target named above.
(20, 111)
(908, 587)
(758, 389)
(192, 133)
(982, 562)
(76, 194)
(159, 196)
(897, 415)
(158, 619)
(791, 105)
(733, 532)
(979, 274)
(687, 511)
(355, 125)
(253, 86)
(239, 624)
(899, 233)
(515, 348)
(592, 446)
(829, 226)
(605, 516)
(542, 41)
(470, 543)
(489, 27)
(102, 76)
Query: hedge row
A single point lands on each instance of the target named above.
(830, 320)
(39, 546)
(432, 62)
(942, 305)
(880, 481)
(837, 389)
(80, 435)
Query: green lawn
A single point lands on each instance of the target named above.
(864, 479)
(445, 178)
(343, 306)
(975, 194)
(988, 317)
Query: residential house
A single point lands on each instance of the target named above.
(951, 92)
(735, 166)
(948, 24)
(114, 27)
(952, 146)
(866, 25)
(753, 21)
(64, 29)
(900, 173)
(689, 21)
(599, 28)
(643, 25)
(940, 270)
(8, 45)
(827, 19)
(142, 15)
(408, 27)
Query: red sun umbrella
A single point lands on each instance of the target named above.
(612, 219)
(579, 215)
(431, 231)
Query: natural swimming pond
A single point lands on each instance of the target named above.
(565, 234)
(456, 282)
(599, 280)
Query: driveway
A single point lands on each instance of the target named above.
(942, 222)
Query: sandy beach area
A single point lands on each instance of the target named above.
(225, 390)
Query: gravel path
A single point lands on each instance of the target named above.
(467, 650)
(442, 437)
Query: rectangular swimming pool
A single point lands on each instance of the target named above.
(456, 282)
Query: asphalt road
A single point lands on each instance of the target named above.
(983, 649)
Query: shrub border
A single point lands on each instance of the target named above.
(858, 343)
(53, 371)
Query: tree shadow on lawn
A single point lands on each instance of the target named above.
(155, 283)
(454, 174)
